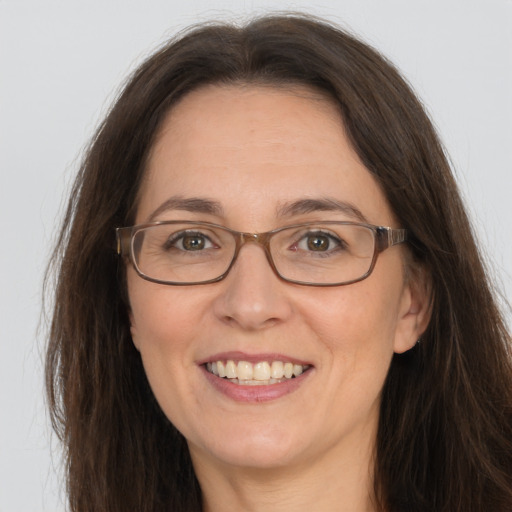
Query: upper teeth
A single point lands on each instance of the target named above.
(262, 371)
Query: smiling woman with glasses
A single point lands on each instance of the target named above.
(267, 286)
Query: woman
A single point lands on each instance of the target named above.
(297, 303)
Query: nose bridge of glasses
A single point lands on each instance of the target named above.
(261, 239)
(257, 238)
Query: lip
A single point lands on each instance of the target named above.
(254, 394)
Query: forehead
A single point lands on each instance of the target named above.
(259, 145)
(274, 116)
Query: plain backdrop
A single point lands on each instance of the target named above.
(61, 62)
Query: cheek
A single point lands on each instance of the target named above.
(356, 325)
(158, 308)
(160, 325)
(353, 335)
(357, 316)
(163, 330)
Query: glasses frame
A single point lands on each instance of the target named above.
(384, 237)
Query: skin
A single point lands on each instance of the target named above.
(253, 149)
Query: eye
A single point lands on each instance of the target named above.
(319, 242)
(189, 241)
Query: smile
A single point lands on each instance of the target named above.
(258, 374)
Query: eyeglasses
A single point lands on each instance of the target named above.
(326, 253)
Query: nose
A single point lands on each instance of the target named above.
(252, 297)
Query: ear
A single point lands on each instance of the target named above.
(415, 308)
(133, 330)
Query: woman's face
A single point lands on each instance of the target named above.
(248, 153)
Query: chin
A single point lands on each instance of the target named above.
(239, 448)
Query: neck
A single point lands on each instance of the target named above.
(337, 482)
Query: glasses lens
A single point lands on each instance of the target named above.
(182, 253)
(323, 253)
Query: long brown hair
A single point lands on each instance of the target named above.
(445, 435)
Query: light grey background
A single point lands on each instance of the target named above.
(60, 63)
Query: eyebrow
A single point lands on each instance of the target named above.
(189, 204)
(291, 209)
(325, 204)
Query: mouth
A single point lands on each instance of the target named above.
(262, 373)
